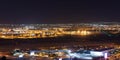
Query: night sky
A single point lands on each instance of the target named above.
(58, 11)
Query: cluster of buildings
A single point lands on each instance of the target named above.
(57, 54)
(11, 31)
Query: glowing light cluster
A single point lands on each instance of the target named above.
(84, 33)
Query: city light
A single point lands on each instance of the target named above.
(59, 42)
(84, 33)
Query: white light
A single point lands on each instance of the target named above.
(86, 58)
(20, 56)
(32, 53)
(96, 53)
(69, 51)
(105, 55)
(60, 58)
(74, 55)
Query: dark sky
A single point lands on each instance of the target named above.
(58, 11)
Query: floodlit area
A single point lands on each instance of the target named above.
(59, 54)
